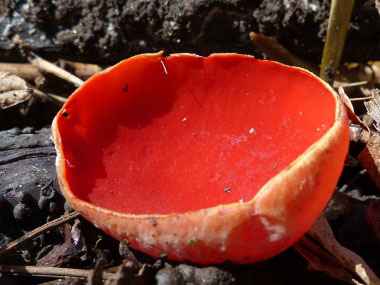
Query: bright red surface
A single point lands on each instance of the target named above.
(179, 141)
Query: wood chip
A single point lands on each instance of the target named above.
(13, 90)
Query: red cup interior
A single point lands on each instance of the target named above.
(169, 135)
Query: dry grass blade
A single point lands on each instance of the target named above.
(13, 90)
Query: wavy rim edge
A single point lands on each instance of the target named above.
(292, 167)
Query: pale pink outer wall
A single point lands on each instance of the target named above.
(283, 210)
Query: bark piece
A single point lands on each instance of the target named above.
(27, 165)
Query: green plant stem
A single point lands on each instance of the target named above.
(340, 14)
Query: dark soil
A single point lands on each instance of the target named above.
(108, 31)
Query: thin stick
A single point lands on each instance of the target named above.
(58, 100)
(29, 72)
(24, 70)
(44, 65)
(54, 272)
(338, 84)
(360, 99)
(82, 70)
(14, 245)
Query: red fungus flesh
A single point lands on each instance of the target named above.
(182, 133)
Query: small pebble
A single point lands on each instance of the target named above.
(21, 211)
(14, 131)
(22, 197)
(68, 207)
(28, 130)
(52, 207)
(47, 191)
(42, 202)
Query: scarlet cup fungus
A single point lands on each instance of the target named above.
(205, 159)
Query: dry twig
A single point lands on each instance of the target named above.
(83, 70)
(338, 84)
(47, 66)
(360, 99)
(54, 272)
(14, 245)
(24, 70)
(58, 100)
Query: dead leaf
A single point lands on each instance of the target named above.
(276, 51)
(350, 109)
(74, 246)
(13, 90)
(373, 108)
(369, 158)
(318, 264)
(336, 261)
